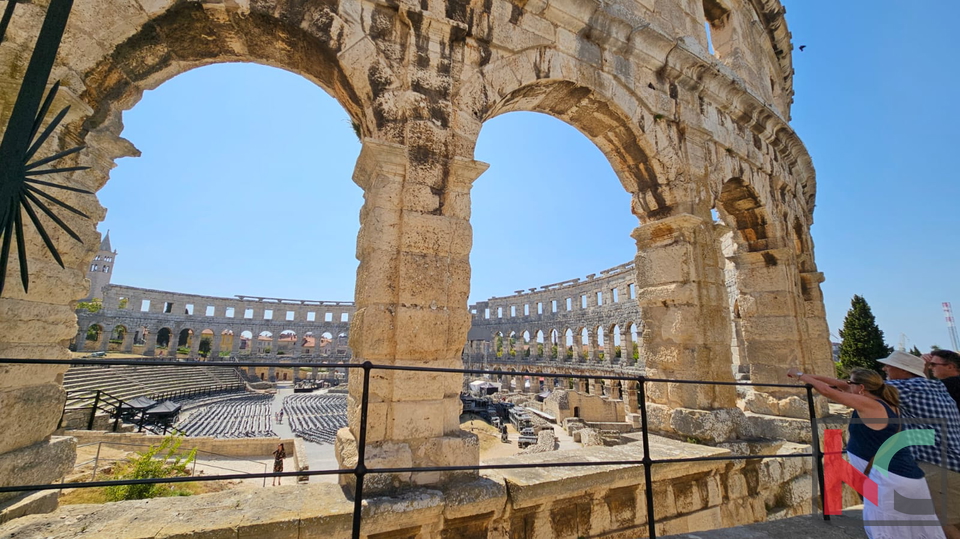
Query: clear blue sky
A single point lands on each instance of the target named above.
(244, 186)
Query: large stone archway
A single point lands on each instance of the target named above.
(419, 80)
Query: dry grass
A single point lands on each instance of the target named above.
(99, 495)
(489, 436)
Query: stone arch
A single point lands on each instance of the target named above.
(164, 336)
(167, 45)
(539, 80)
(93, 337)
(740, 208)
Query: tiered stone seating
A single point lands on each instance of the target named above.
(126, 382)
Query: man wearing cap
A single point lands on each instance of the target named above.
(922, 398)
(944, 365)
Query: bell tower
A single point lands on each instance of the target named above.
(101, 269)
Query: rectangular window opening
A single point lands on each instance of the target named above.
(290, 315)
(553, 306)
(188, 309)
(486, 313)
(616, 295)
(599, 298)
(268, 314)
(345, 317)
(328, 317)
(526, 309)
(230, 312)
(633, 291)
(569, 304)
(499, 312)
(583, 301)
(211, 311)
(539, 307)
(311, 316)
(513, 311)
(168, 307)
(145, 306)
(248, 313)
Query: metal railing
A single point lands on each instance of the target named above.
(360, 471)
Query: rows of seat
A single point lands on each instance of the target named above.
(127, 382)
(243, 417)
(316, 418)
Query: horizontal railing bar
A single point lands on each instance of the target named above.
(409, 368)
(343, 471)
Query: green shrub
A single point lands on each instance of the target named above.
(183, 350)
(160, 461)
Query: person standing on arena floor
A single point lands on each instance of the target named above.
(944, 365)
(922, 398)
(278, 457)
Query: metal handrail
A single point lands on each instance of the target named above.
(360, 471)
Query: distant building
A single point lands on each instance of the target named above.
(101, 269)
(836, 351)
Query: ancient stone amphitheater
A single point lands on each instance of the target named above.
(687, 131)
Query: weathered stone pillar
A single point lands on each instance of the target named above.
(274, 343)
(235, 345)
(216, 344)
(127, 345)
(626, 348)
(596, 387)
(582, 385)
(195, 343)
(411, 295)
(682, 297)
(686, 327)
(767, 306)
(297, 346)
(630, 403)
(150, 343)
(593, 345)
(613, 390)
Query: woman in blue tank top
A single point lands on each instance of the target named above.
(875, 419)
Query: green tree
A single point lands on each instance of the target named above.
(916, 351)
(94, 305)
(160, 461)
(861, 342)
(123, 303)
(205, 346)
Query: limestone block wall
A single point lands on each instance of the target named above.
(144, 312)
(590, 408)
(530, 323)
(563, 503)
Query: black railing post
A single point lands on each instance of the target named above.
(647, 460)
(93, 412)
(817, 455)
(116, 421)
(361, 470)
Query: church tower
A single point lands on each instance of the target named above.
(101, 269)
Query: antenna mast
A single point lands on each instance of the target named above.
(951, 326)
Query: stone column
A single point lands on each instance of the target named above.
(150, 343)
(297, 347)
(195, 343)
(593, 352)
(686, 325)
(613, 390)
(630, 403)
(235, 345)
(596, 387)
(626, 348)
(582, 385)
(411, 296)
(768, 308)
(127, 345)
(275, 343)
(216, 344)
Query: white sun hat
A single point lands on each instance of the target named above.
(905, 361)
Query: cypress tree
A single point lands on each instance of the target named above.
(861, 342)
